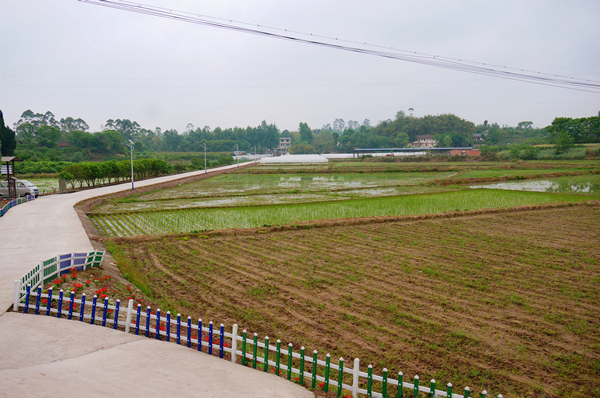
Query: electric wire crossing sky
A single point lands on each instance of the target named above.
(362, 48)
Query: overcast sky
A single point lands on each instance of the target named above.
(81, 60)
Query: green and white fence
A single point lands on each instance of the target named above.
(213, 340)
(14, 203)
(48, 270)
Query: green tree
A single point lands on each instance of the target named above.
(445, 141)
(306, 134)
(563, 141)
(401, 140)
(69, 125)
(335, 136)
(7, 139)
(47, 136)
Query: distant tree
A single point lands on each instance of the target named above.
(69, 125)
(306, 134)
(339, 125)
(354, 125)
(172, 139)
(525, 125)
(445, 141)
(563, 141)
(401, 140)
(47, 136)
(367, 122)
(582, 130)
(128, 129)
(335, 136)
(8, 142)
(37, 119)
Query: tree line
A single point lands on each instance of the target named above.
(44, 137)
(41, 136)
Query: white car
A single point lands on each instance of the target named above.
(24, 188)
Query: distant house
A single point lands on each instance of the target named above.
(465, 152)
(62, 145)
(478, 137)
(285, 141)
(424, 141)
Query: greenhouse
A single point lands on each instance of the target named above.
(295, 159)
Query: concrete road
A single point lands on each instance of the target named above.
(45, 356)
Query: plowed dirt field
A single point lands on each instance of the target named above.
(509, 302)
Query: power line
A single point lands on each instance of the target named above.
(361, 48)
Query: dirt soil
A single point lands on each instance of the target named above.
(507, 302)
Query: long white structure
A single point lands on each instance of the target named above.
(295, 159)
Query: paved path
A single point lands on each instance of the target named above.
(45, 356)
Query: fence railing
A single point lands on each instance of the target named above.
(48, 270)
(216, 341)
(14, 203)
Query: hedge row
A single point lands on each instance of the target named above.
(97, 173)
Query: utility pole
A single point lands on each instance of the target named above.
(204, 146)
(130, 146)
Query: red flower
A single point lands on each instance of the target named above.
(322, 384)
(44, 301)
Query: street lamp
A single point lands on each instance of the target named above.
(204, 146)
(130, 146)
(237, 155)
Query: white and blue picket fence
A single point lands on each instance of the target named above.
(14, 203)
(48, 270)
(216, 341)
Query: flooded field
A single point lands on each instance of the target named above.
(264, 189)
(267, 199)
(587, 184)
(279, 183)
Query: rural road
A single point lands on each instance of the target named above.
(45, 356)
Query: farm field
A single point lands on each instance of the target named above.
(195, 220)
(586, 184)
(255, 200)
(383, 165)
(242, 183)
(238, 189)
(506, 302)
(513, 172)
(265, 185)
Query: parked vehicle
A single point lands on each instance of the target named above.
(24, 188)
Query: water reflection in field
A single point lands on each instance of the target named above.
(589, 185)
